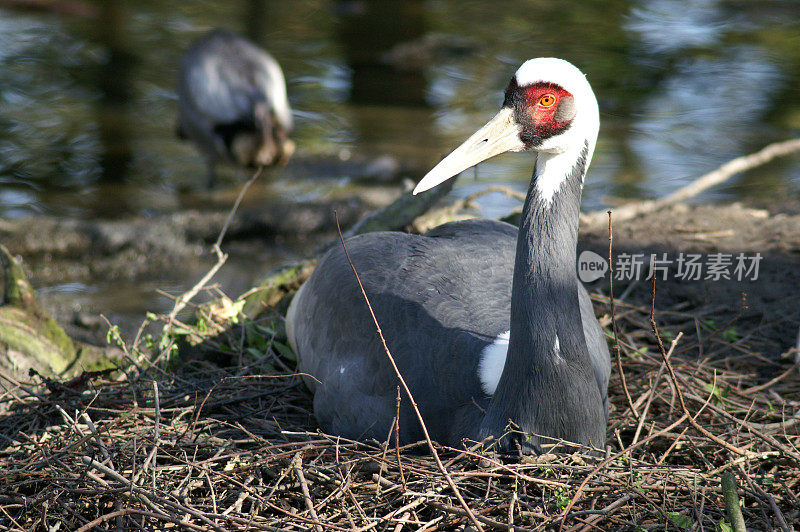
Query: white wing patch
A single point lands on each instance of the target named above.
(492, 362)
(557, 350)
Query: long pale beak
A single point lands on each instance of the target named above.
(499, 135)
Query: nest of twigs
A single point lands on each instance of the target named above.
(211, 448)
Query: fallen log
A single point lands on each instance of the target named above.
(702, 183)
(29, 338)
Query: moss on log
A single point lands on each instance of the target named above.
(29, 337)
(274, 288)
(403, 211)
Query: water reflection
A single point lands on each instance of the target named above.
(708, 112)
(670, 26)
(113, 80)
(368, 31)
(257, 21)
(87, 103)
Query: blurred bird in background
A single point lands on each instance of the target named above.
(232, 103)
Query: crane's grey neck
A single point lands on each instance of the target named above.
(547, 344)
(548, 230)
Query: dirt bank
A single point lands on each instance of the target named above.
(772, 311)
(82, 268)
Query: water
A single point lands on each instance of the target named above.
(87, 102)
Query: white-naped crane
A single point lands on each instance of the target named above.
(232, 103)
(488, 323)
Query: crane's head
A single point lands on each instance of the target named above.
(262, 141)
(549, 107)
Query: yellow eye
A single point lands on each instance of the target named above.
(547, 100)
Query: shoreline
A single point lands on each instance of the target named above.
(164, 250)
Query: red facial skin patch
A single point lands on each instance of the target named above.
(539, 122)
(552, 117)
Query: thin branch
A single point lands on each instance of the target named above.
(675, 382)
(435, 454)
(187, 296)
(614, 320)
(397, 440)
(297, 467)
(235, 207)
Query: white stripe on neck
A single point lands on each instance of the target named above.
(552, 171)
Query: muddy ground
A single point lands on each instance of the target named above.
(771, 310)
(176, 246)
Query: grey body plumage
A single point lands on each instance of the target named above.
(232, 102)
(444, 297)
